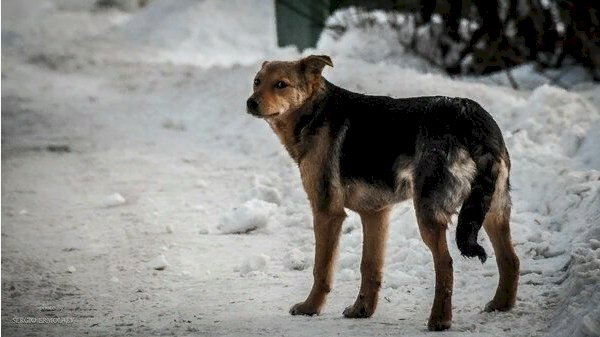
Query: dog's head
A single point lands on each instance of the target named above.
(280, 86)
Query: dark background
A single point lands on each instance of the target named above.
(508, 32)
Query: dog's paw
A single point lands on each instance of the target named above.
(303, 309)
(358, 310)
(494, 305)
(438, 325)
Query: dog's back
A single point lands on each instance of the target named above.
(449, 149)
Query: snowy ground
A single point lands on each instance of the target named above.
(126, 149)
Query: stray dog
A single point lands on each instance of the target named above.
(366, 153)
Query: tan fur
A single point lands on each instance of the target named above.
(276, 105)
(404, 181)
(302, 78)
(273, 101)
(311, 168)
(434, 236)
(359, 196)
(463, 169)
(327, 225)
(362, 197)
(496, 225)
(375, 226)
(327, 228)
(500, 205)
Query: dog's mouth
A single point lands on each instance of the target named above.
(254, 113)
(271, 115)
(257, 114)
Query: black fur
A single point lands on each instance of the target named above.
(474, 209)
(383, 134)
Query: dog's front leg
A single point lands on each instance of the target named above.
(375, 225)
(327, 226)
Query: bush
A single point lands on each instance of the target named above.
(482, 36)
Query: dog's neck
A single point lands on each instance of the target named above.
(291, 126)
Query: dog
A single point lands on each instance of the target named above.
(366, 153)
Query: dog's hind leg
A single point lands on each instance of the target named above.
(327, 228)
(431, 178)
(496, 225)
(375, 225)
(434, 235)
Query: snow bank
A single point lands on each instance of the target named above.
(369, 37)
(578, 312)
(588, 151)
(206, 33)
(34, 25)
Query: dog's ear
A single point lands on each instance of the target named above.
(264, 64)
(314, 64)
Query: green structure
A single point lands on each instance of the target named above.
(300, 23)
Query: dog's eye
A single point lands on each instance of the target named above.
(280, 85)
(256, 82)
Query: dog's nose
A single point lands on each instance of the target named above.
(251, 104)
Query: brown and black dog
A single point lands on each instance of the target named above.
(366, 153)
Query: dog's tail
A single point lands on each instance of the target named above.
(489, 196)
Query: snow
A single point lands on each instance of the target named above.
(158, 263)
(295, 259)
(173, 29)
(370, 42)
(253, 264)
(252, 215)
(151, 107)
(113, 200)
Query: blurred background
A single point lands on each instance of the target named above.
(463, 37)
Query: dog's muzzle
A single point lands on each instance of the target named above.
(252, 107)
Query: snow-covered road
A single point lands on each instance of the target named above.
(84, 118)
